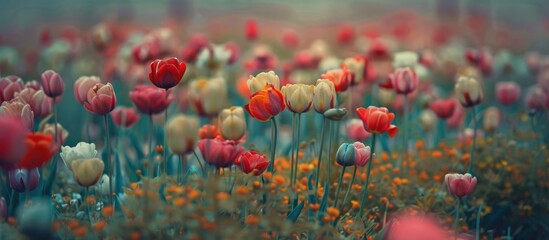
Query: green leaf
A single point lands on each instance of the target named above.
(294, 214)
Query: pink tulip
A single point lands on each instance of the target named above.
(219, 153)
(404, 80)
(101, 99)
(362, 154)
(124, 116)
(460, 185)
(443, 108)
(150, 100)
(252, 162)
(537, 98)
(52, 83)
(83, 85)
(38, 101)
(12, 141)
(355, 130)
(9, 86)
(33, 85)
(456, 119)
(507, 92)
(416, 228)
(20, 111)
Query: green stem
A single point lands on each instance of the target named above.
(296, 162)
(292, 152)
(165, 150)
(319, 163)
(365, 190)
(199, 163)
(55, 121)
(86, 194)
(339, 185)
(151, 136)
(405, 131)
(473, 147)
(111, 165)
(330, 150)
(179, 168)
(274, 139)
(349, 187)
(477, 235)
(456, 222)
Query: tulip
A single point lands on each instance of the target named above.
(341, 78)
(427, 119)
(251, 30)
(507, 92)
(208, 96)
(362, 153)
(335, 114)
(40, 149)
(461, 185)
(491, 119)
(37, 100)
(20, 111)
(356, 67)
(404, 80)
(355, 130)
(9, 86)
(346, 155)
(124, 117)
(345, 35)
(265, 104)
(208, 131)
(167, 73)
(252, 162)
(232, 123)
(468, 91)
(257, 83)
(145, 51)
(182, 134)
(82, 150)
(87, 171)
(49, 129)
(23, 180)
(82, 87)
(12, 141)
(443, 108)
(298, 97)
(52, 83)
(219, 153)
(324, 97)
(537, 98)
(194, 46)
(213, 58)
(377, 120)
(150, 100)
(101, 99)
(33, 84)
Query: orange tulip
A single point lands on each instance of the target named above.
(265, 104)
(377, 120)
(40, 149)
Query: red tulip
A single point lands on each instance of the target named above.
(251, 30)
(507, 92)
(340, 77)
(377, 120)
(101, 99)
(167, 73)
(219, 153)
(443, 108)
(404, 80)
(460, 185)
(9, 86)
(252, 162)
(40, 149)
(83, 85)
(52, 83)
(124, 116)
(193, 48)
(265, 104)
(208, 131)
(150, 100)
(12, 141)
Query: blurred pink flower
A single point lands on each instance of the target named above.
(20, 111)
(507, 92)
(124, 116)
(415, 228)
(38, 101)
(355, 130)
(83, 85)
(9, 86)
(460, 185)
(12, 141)
(52, 83)
(150, 100)
(219, 153)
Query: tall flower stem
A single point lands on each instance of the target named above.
(274, 137)
(317, 182)
(86, 194)
(292, 151)
(199, 163)
(365, 190)
(477, 232)
(165, 150)
(349, 187)
(404, 157)
(296, 162)
(151, 163)
(339, 185)
(330, 150)
(111, 165)
(473, 147)
(55, 121)
(456, 222)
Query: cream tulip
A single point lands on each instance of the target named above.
(182, 134)
(428, 120)
(208, 96)
(491, 119)
(298, 97)
(82, 150)
(87, 171)
(468, 91)
(232, 123)
(356, 66)
(255, 84)
(324, 95)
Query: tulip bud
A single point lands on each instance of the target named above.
(82, 150)
(298, 97)
(87, 171)
(404, 80)
(101, 99)
(20, 111)
(218, 153)
(265, 104)
(341, 78)
(208, 97)
(346, 155)
(459, 184)
(9, 86)
(362, 154)
(428, 120)
(356, 66)
(507, 92)
(335, 114)
(252, 31)
(124, 116)
(83, 85)
(37, 100)
(22, 180)
(491, 119)
(167, 73)
(324, 96)
(52, 83)
(232, 123)
(182, 134)
(468, 91)
(252, 162)
(49, 129)
(256, 84)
